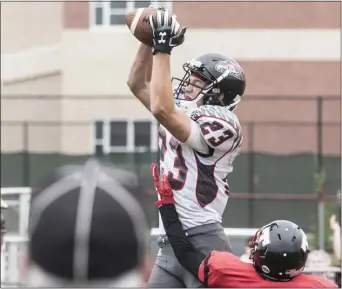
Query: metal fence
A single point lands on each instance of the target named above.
(291, 152)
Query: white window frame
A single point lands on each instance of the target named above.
(130, 147)
(107, 12)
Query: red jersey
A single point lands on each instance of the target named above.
(224, 270)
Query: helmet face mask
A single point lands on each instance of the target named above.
(200, 86)
(222, 78)
(279, 251)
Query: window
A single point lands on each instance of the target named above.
(118, 133)
(142, 134)
(112, 13)
(125, 136)
(145, 135)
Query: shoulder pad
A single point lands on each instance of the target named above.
(215, 111)
(219, 126)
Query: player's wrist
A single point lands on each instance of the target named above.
(168, 201)
(161, 50)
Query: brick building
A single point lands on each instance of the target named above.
(78, 49)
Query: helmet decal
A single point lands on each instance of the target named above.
(233, 68)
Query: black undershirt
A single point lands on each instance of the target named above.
(185, 252)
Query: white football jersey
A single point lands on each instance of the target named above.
(199, 181)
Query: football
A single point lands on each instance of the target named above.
(138, 23)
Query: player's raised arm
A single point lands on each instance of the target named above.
(165, 38)
(186, 254)
(140, 75)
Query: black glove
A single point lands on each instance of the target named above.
(164, 28)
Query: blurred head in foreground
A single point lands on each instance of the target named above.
(87, 229)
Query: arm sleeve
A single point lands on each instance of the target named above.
(186, 254)
(196, 140)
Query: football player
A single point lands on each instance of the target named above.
(199, 138)
(279, 253)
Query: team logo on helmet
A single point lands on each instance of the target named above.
(232, 66)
